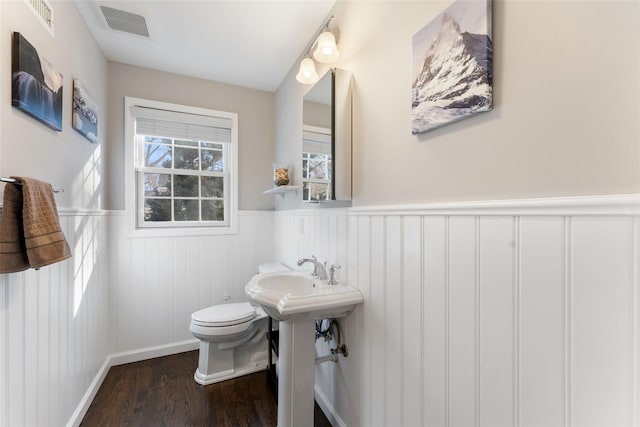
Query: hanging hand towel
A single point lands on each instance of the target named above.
(42, 233)
(13, 254)
(43, 239)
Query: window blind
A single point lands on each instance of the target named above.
(315, 142)
(172, 124)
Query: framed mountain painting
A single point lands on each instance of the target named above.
(452, 66)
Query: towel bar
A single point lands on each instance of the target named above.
(13, 181)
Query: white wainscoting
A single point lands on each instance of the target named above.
(118, 300)
(53, 324)
(157, 283)
(521, 313)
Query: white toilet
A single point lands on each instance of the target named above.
(232, 338)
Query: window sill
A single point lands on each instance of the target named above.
(181, 231)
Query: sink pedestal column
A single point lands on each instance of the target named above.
(296, 365)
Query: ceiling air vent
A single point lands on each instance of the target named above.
(121, 20)
(43, 10)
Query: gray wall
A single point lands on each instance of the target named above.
(54, 328)
(256, 116)
(315, 114)
(565, 122)
(29, 148)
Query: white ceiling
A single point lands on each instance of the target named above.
(251, 43)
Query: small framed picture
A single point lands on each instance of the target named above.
(85, 112)
(36, 85)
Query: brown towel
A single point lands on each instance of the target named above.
(13, 253)
(43, 239)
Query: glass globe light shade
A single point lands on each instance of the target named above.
(307, 73)
(326, 51)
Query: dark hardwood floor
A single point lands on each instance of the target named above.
(162, 392)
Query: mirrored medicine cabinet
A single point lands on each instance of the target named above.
(327, 139)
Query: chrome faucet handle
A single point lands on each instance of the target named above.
(332, 281)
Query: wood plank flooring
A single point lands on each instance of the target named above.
(162, 392)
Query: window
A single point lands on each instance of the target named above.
(183, 167)
(316, 164)
(183, 180)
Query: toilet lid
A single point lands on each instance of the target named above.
(224, 314)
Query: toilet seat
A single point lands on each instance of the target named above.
(224, 315)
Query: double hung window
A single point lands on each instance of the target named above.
(184, 162)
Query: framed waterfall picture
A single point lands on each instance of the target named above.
(85, 112)
(452, 66)
(36, 87)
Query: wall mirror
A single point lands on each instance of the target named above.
(326, 139)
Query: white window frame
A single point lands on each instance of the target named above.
(134, 185)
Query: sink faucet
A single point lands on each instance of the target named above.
(319, 268)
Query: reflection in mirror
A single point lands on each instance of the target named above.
(326, 142)
(316, 164)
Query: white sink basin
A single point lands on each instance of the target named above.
(298, 296)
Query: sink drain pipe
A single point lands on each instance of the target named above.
(329, 335)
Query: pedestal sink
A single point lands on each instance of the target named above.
(298, 296)
(296, 299)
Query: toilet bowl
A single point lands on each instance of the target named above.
(232, 338)
(232, 341)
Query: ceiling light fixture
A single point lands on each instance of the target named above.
(307, 74)
(326, 52)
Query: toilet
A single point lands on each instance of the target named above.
(232, 338)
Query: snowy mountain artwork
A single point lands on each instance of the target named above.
(452, 66)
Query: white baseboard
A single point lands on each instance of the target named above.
(151, 352)
(85, 402)
(328, 409)
(121, 359)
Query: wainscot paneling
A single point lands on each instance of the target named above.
(158, 282)
(53, 328)
(516, 313)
